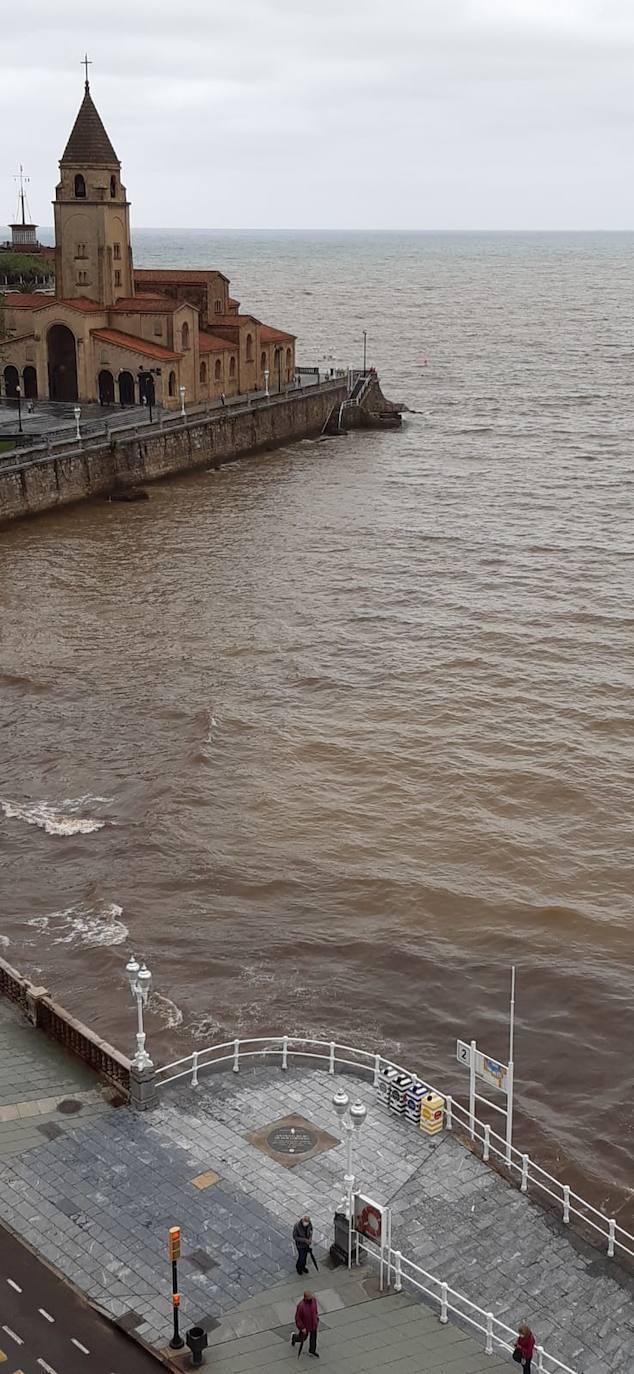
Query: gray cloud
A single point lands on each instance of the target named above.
(335, 113)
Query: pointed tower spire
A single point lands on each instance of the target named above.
(88, 145)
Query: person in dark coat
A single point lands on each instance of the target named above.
(526, 1345)
(303, 1237)
(307, 1321)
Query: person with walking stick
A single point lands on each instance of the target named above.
(303, 1238)
(306, 1321)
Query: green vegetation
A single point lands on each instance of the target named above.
(25, 266)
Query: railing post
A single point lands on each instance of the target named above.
(611, 1237)
(397, 1271)
(285, 1052)
(236, 1056)
(443, 1303)
(489, 1342)
(540, 1359)
(195, 1069)
(566, 1203)
(377, 1067)
(331, 1065)
(524, 1183)
(487, 1143)
(448, 1113)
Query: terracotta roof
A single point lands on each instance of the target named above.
(134, 344)
(88, 145)
(39, 301)
(236, 321)
(231, 300)
(176, 274)
(210, 343)
(268, 334)
(144, 305)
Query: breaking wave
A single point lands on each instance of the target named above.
(62, 818)
(169, 1013)
(91, 926)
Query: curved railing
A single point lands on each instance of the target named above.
(522, 1169)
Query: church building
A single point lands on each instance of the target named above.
(117, 334)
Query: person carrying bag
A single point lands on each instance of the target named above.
(524, 1347)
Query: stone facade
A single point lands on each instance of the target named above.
(120, 335)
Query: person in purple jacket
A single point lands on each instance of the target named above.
(306, 1321)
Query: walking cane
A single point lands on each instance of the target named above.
(302, 1338)
(313, 1259)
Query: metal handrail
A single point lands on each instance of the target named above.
(519, 1163)
(447, 1297)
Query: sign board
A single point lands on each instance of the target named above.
(367, 1218)
(463, 1053)
(490, 1070)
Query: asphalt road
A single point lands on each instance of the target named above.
(46, 1328)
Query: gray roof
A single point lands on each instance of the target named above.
(88, 144)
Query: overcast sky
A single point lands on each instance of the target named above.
(419, 114)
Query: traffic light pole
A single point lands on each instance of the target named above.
(173, 1250)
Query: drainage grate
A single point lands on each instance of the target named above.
(69, 1106)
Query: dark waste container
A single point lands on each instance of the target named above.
(196, 1339)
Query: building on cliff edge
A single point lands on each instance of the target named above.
(116, 334)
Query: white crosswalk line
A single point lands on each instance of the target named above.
(43, 1313)
(12, 1284)
(48, 1367)
(18, 1339)
(80, 1346)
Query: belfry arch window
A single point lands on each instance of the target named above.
(113, 187)
(185, 336)
(80, 187)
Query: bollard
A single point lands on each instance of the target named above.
(197, 1341)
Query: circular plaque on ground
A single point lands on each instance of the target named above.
(292, 1140)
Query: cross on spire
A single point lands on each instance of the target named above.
(85, 62)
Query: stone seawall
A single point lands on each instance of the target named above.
(97, 468)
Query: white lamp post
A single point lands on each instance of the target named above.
(140, 980)
(181, 392)
(351, 1119)
(266, 381)
(77, 414)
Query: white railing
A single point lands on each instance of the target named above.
(522, 1169)
(496, 1333)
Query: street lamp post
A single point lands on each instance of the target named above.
(351, 1119)
(365, 349)
(140, 980)
(77, 414)
(181, 392)
(18, 392)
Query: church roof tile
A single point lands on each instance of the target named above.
(210, 343)
(147, 305)
(143, 347)
(88, 145)
(176, 274)
(268, 334)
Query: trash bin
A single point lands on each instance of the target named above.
(196, 1339)
(339, 1251)
(415, 1095)
(384, 1082)
(399, 1089)
(431, 1113)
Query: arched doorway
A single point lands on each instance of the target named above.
(29, 378)
(11, 382)
(62, 363)
(126, 388)
(106, 387)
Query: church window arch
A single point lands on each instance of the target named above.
(232, 369)
(249, 348)
(116, 251)
(185, 336)
(203, 374)
(117, 278)
(113, 187)
(263, 360)
(218, 307)
(171, 385)
(218, 371)
(80, 187)
(289, 360)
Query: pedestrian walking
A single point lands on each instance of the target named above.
(223, 399)
(306, 1321)
(303, 1238)
(524, 1347)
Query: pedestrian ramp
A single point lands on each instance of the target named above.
(360, 1330)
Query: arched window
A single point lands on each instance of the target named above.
(232, 369)
(249, 348)
(218, 307)
(113, 187)
(289, 358)
(171, 385)
(80, 187)
(203, 374)
(185, 336)
(218, 371)
(263, 360)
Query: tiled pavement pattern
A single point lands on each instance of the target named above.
(359, 1331)
(97, 1202)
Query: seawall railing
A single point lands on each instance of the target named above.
(520, 1168)
(497, 1335)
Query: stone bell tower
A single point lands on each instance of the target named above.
(93, 257)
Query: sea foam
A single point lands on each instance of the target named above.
(60, 818)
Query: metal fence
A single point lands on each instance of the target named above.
(522, 1170)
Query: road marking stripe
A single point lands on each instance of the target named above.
(18, 1339)
(43, 1313)
(15, 1285)
(49, 1368)
(80, 1346)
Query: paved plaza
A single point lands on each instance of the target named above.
(96, 1199)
